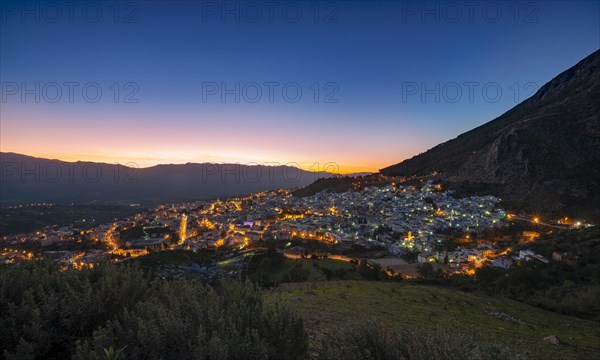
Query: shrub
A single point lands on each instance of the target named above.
(120, 312)
(372, 341)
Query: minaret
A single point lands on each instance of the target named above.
(183, 228)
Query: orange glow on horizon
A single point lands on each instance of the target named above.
(148, 139)
(150, 161)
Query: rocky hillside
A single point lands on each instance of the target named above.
(542, 155)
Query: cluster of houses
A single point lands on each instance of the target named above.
(401, 219)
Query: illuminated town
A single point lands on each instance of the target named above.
(395, 226)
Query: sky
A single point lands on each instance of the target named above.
(347, 86)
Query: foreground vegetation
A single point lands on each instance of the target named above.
(317, 308)
(418, 320)
(115, 311)
(373, 341)
(119, 312)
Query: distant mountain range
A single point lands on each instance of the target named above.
(26, 179)
(358, 174)
(542, 155)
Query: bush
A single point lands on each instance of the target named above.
(373, 341)
(119, 311)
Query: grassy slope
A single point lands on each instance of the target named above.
(314, 273)
(328, 306)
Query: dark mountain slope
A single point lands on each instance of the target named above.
(544, 154)
(25, 179)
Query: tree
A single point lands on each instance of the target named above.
(117, 311)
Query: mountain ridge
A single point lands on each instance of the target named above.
(26, 179)
(542, 154)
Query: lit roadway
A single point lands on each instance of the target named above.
(514, 217)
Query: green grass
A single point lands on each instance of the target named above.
(330, 306)
(315, 273)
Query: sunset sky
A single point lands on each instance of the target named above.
(369, 62)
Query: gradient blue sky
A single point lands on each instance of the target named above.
(370, 51)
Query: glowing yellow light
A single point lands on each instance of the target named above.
(183, 229)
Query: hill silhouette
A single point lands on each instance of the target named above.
(27, 179)
(543, 154)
